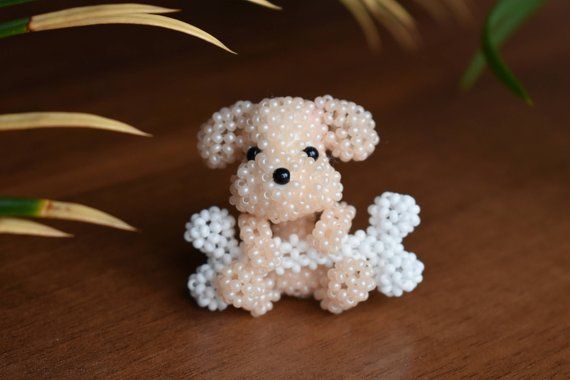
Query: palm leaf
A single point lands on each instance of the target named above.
(138, 14)
(27, 227)
(403, 29)
(19, 121)
(263, 3)
(70, 15)
(397, 11)
(366, 22)
(397, 20)
(45, 208)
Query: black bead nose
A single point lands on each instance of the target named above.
(281, 176)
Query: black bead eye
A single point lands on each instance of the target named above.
(252, 152)
(312, 152)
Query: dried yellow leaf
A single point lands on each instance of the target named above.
(31, 120)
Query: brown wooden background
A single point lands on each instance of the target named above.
(491, 175)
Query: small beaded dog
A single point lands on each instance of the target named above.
(293, 227)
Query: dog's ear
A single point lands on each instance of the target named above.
(221, 139)
(351, 134)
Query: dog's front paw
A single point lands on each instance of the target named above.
(257, 242)
(332, 228)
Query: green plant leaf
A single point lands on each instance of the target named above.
(20, 206)
(503, 20)
(7, 3)
(499, 35)
(14, 27)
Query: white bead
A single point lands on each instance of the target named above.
(282, 128)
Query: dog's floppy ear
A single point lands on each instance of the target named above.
(220, 140)
(351, 134)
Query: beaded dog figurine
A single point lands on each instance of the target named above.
(293, 227)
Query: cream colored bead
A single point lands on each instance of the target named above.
(345, 285)
(258, 244)
(353, 135)
(293, 227)
(282, 128)
(333, 227)
(247, 287)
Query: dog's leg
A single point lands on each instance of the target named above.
(249, 283)
(246, 286)
(345, 285)
(332, 228)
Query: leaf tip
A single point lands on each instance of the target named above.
(266, 4)
(144, 134)
(121, 225)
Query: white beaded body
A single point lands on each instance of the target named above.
(293, 227)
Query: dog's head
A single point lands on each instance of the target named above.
(282, 144)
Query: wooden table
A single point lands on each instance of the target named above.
(490, 173)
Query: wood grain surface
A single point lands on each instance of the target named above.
(491, 175)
